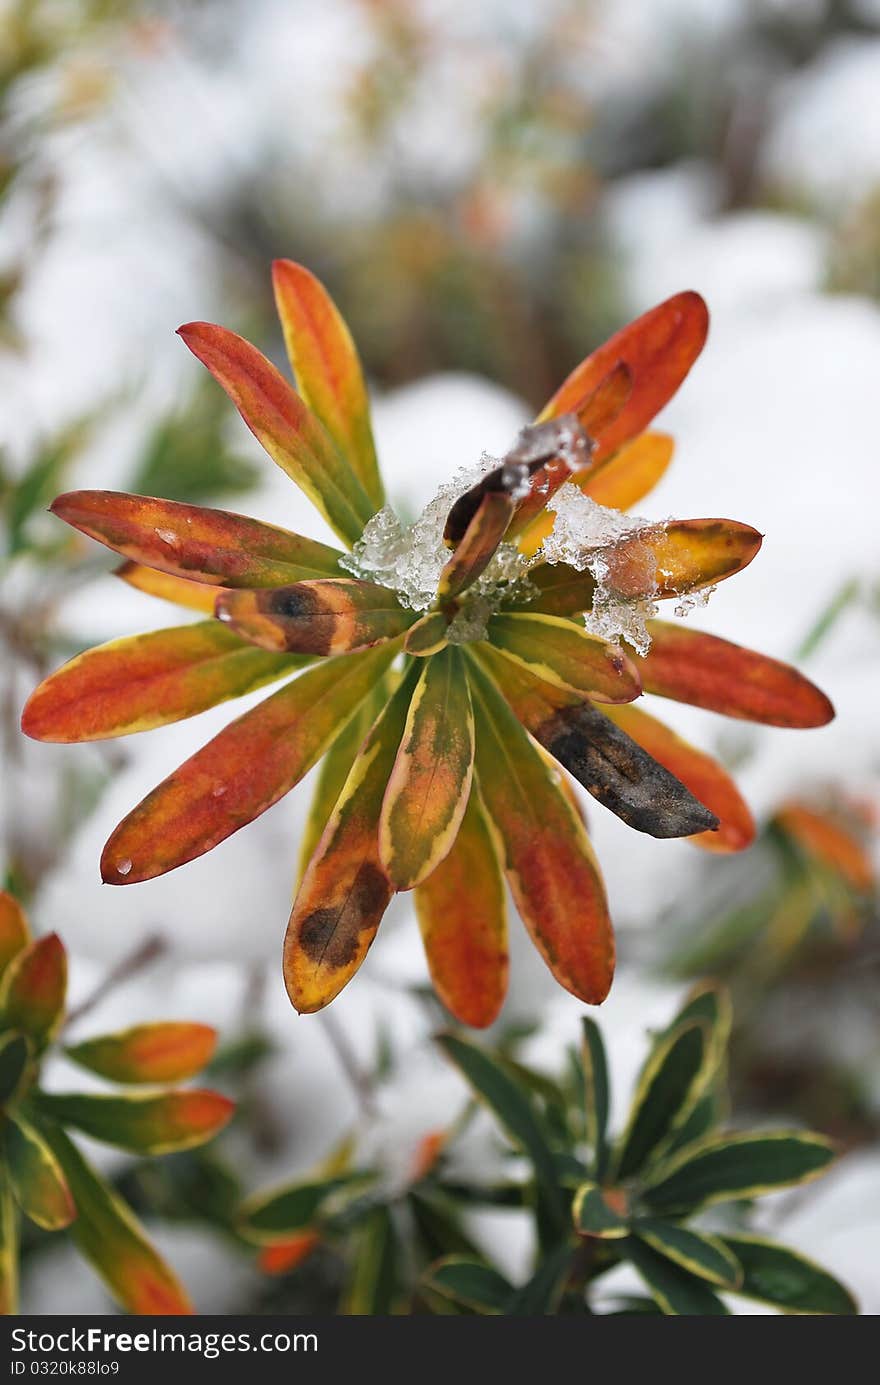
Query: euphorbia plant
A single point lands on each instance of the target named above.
(43, 1174)
(457, 663)
(666, 1197)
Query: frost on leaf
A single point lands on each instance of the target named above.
(409, 558)
(590, 538)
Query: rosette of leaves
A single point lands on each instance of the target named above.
(443, 736)
(43, 1173)
(664, 1197)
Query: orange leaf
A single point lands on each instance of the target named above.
(145, 1123)
(283, 425)
(241, 772)
(547, 855)
(286, 1255)
(478, 545)
(331, 616)
(194, 596)
(14, 931)
(463, 919)
(659, 349)
(216, 547)
(705, 778)
(821, 837)
(34, 988)
(706, 671)
(144, 681)
(328, 372)
(161, 1052)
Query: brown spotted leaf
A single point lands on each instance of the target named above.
(345, 889)
(330, 616)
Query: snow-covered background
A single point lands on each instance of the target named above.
(215, 136)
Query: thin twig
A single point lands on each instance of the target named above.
(359, 1079)
(144, 955)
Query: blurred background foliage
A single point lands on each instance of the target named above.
(481, 192)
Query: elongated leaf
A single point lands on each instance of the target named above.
(283, 425)
(336, 767)
(493, 1084)
(272, 1218)
(288, 1255)
(703, 776)
(471, 1283)
(345, 889)
(697, 1252)
(478, 546)
(108, 1234)
(14, 932)
(593, 1214)
(146, 1124)
(658, 348)
(597, 1093)
(706, 671)
(370, 1291)
(216, 547)
(676, 1291)
(774, 1274)
(427, 635)
(668, 1088)
(193, 596)
(541, 1294)
(328, 373)
(144, 681)
(823, 839)
(330, 616)
(241, 772)
(33, 990)
(595, 413)
(609, 764)
(14, 1056)
(710, 1005)
(727, 1166)
(618, 483)
(546, 853)
(35, 1176)
(564, 654)
(462, 914)
(8, 1248)
(430, 782)
(163, 1052)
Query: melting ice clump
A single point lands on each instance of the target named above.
(409, 558)
(586, 536)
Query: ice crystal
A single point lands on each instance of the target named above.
(409, 558)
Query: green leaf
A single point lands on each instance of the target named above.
(510, 1104)
(145, 1124)
(14, 1055)
(39, 1186)
(677, 1292)
(8, 1248)
(541, 1295)
(723, 1167)
(275, 1216)
(594, 1217)
(709, 1112)
(469, 1282)
(667, 1090)
(596, 1094)
(695, 1251)
(108, 1234)
(370, 1291)
(774, 1274)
